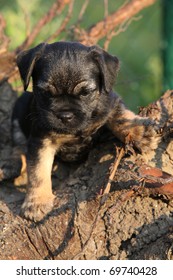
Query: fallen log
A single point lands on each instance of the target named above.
(115, 205)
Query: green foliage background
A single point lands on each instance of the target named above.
(138, 48)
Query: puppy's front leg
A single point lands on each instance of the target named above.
(126, 125)
(39, 199)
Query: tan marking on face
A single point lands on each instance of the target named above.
(84, 84)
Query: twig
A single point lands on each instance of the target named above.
(56, 8)
(4, 40)
(106, 8)
(27, 22)
(88, 37)
(114, 169)
(82, 11)
(122, 28)
(64, 22)
(102, 28)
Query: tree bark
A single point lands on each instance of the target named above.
(132, 220)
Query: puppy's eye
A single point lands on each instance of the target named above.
(87, 91)
(85, 88)
(84, 92)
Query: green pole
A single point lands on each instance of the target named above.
(168, 44)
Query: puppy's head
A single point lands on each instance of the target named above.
(71, 84)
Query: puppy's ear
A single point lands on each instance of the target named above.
(26, 61)
(108, 65)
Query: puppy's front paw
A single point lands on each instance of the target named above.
(143, 135)
(35, 208)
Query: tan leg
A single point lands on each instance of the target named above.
(39, 199)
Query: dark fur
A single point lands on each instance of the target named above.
(72, 98)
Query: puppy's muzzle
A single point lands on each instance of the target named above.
(65, 116)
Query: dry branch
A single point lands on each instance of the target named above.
(82, 11)
(122, 28)
(64, 22)
(4, 40)
(104, 27)
(120, 155)
(56, 9)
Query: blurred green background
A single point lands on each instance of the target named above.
(139, 48)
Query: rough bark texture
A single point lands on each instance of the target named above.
(133, 221)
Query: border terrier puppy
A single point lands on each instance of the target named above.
(72, 99)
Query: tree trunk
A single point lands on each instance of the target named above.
(131, 221)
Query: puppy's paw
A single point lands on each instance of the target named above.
(143, 134)
(35, 208)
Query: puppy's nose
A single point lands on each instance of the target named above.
(66, 116)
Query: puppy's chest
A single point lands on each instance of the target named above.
(75, 148)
